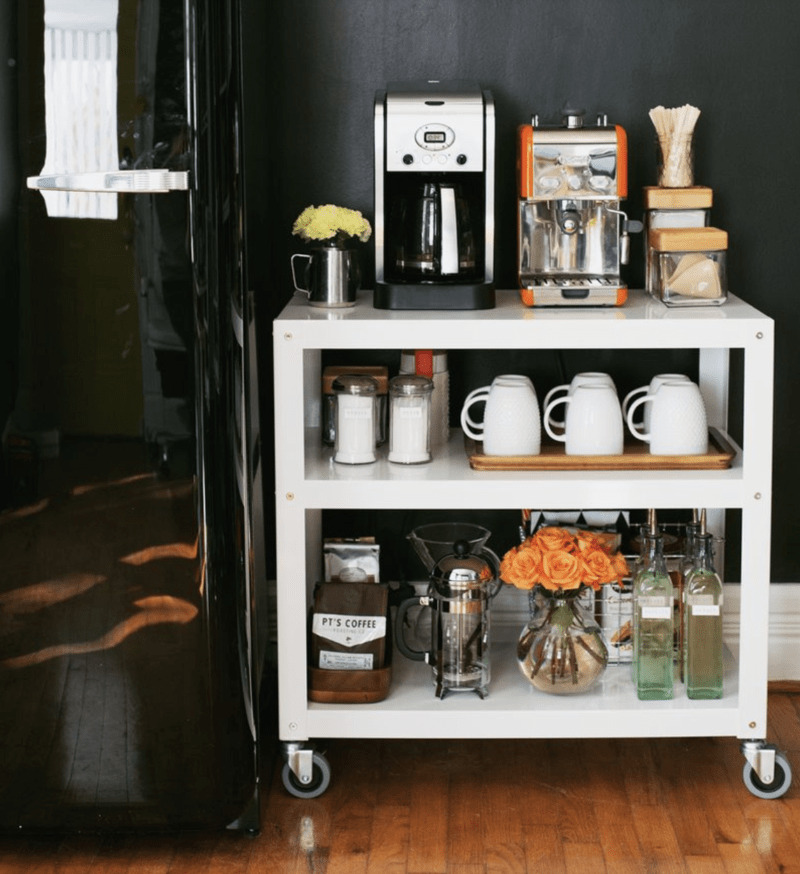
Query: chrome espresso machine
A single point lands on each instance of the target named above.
(572, 236)
(434, 197)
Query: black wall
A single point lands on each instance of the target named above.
(736, 61)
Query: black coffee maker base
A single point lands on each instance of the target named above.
(391, 296)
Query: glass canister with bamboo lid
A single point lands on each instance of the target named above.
(688, 266)
(674, 208)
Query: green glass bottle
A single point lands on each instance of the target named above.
(691, 530)
(653, 620)
(703, 609)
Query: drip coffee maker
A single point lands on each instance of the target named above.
(463, 579)
(572, 236)
(434, 196)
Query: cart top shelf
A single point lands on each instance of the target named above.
(641, 323)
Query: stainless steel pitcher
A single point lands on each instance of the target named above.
(332, 276)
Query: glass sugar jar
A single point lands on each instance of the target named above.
(410, 419)
(356, 410)
(415, 361)
(329, 374)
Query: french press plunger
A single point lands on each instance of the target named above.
(460, 587)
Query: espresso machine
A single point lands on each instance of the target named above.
(434, 197)
(572, 236)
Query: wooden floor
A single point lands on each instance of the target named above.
(486, 806)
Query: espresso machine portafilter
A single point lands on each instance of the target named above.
(572, 235)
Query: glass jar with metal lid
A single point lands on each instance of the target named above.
(355, 418)
(410, 419)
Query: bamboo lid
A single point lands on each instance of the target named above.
(378, 372)
(688, 239)
(696, 197)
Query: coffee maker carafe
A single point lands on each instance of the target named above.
(434, 197)
(572, 236)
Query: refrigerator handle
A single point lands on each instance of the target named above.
(119, 181)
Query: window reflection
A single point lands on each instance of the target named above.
(80, 74)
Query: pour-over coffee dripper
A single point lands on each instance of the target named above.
(433, 542)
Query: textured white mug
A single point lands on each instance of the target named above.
(590, 377)
(678, 424)
(592, 423)
(511, 423)
(655, 383)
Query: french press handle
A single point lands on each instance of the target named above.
(403, 608)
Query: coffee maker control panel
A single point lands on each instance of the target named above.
(430, 131)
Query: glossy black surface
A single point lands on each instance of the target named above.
(129, 654)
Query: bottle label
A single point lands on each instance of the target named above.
(656, 612)
(705, 609)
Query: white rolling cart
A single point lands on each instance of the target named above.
(308, 481)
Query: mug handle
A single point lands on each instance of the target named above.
(562, 438)
(297, 286)
(471, 428)
(639, 435)
(630, 396)
(549, 395)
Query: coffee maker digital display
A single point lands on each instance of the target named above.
(434, 197)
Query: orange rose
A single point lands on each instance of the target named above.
(554, 539)
(619, 565)
(597, 568)
(507, 565)
(561, 570)
(525, 568)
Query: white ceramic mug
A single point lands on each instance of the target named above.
(592, 423)
(511, 424)
(484, 390)
(587, 378)
(655, 383)
(678, 424)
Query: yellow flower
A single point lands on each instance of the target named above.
(328, 222)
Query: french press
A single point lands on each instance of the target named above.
(460, 587)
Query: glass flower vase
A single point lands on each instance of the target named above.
(561, 650)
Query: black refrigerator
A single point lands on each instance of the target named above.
(132, 608)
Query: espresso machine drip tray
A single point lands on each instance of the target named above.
(583, 291)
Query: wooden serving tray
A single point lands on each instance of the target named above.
(635, 456)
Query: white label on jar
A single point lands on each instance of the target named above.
(349, 630)
(345, 661)
(408, 412)
(357, 412)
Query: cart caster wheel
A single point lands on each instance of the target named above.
(320, 779)
(779, 785)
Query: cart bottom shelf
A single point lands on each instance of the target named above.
(513, 709)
